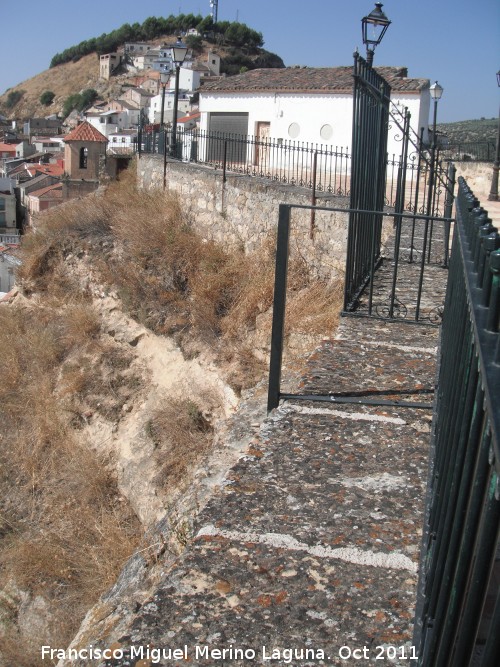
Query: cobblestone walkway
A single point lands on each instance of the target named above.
(309, 550)
(410, 275)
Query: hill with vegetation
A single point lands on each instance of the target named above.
(75, 71)
(484, 129)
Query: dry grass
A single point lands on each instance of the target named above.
(169, 278)
(181, 435)
(64, 81)
(65, 535)
(64, 532)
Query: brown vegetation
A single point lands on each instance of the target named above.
(65, 531)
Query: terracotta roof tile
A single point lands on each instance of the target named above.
(54, 190)
(85, 132)
(311, 79)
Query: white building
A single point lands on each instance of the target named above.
(110, 122)
(183, 106)
(7, 206)
(306, 105)
(122, 142)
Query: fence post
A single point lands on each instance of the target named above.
(224, 163)
(164, 159)
(279, 305)
(313, 196)
(448, 207)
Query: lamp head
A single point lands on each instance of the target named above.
(436, 91)
(374, 26)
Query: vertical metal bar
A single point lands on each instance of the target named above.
(417, 191)
(313, 196)
(399, 209)
(448, 208)
(224, 163)
(164, 160)
(279, 306)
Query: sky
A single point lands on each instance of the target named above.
(455, 42)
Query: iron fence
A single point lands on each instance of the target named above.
(318, 167)
(325, 168)
(473, 151)
(459, 602)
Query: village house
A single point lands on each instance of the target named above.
(8, 220)
(154, 111)
(48, 144)
(307, 105)
(43, 199)
(46, 126)
(149, 81)
(7, 150)
(139, 97)
(30, 185)
(145, 61)
(108, 64)
(122, 142)
(137, 47)
(9, 245)
(109, 122)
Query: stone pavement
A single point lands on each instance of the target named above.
(309, 550)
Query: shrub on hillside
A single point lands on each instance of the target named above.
(13, 98)
(47, 97)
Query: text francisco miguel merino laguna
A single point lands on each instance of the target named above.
(200, 652)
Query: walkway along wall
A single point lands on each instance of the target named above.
(243, 211)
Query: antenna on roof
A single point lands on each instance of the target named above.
(214, 7)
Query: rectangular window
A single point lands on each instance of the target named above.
(2, 218)
(2, 204)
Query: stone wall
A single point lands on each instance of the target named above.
(478, 176)
(244, 211)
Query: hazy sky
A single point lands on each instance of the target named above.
(452, 41)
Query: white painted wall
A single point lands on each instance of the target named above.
(154, 111)
(311, 113)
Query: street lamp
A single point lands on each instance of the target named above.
(493, 196)
(374, 27)
(164, 78)
(436, 92)
(178, 53)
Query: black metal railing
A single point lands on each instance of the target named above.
(458, 616)
(322, 167)
(318, 167)
(371, 98)
(469, 151)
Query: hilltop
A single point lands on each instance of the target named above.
(77, 69)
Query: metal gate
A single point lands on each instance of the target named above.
(410, 256)
(369, 148)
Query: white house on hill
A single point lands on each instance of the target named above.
(310, 105)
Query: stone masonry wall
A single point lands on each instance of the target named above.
(478, 176)
(244, 211)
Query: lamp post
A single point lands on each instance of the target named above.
(436, 92)
(374, 27)
(493, 196)
(164, 78)
(178, 52)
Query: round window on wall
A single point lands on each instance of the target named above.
(326, 132)
(294, 130)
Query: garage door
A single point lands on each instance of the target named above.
(232, 127)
